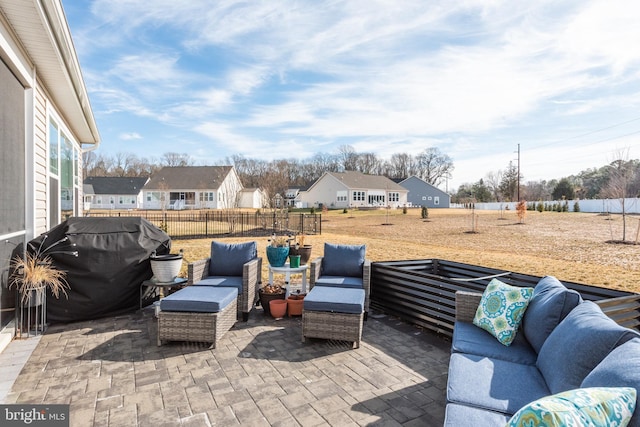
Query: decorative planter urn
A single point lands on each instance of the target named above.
(303, 251)
(277, 256)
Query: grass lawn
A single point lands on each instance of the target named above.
(570, 246)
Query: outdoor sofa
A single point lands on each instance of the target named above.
(563, 344)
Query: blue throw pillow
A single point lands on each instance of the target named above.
(343, 260)
(585, 407)
(621, 368)
(577, 345)
(229, 259)
(550, 304)
(501, 309)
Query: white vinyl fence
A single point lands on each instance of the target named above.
(614, 206)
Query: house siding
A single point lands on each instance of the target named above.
(421, 193)
(40, 160)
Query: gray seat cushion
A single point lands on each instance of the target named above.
(468, 338)
(340, 281)
(467, 416)
(621, 368)
(493, 384)
(335, 300)
(551, 303)
(343, 260)
(228, 259)
(579, 343)
(224, 281)
(200, 299)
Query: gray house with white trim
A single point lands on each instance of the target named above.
(114, 192)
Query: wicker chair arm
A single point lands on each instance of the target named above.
(366, 283)
(314, 272)
(466, 305)
(197, 270)
(251, 274)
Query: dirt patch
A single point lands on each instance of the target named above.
(570, 246)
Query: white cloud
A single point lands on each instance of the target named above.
(129, 136)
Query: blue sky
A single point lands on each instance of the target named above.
(288, 79)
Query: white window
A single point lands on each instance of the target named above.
(207, 196)
(394, 197)
(358, 196)
(424, 197)
(436, 200)
(121, 200)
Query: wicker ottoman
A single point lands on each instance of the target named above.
(333, 313)
(197, 313)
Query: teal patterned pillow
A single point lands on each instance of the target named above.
(583, 407)
(501, 310)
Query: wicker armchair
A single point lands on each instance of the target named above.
(318, 277)
(202, 273)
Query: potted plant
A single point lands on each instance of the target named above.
(295, 303)
(269, 293)
(34, 272)
(299, 248)
(278, 250)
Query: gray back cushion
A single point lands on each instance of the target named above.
(550, 304)
(229, 259)
(581, 341)
(343, 260)
(621, 368)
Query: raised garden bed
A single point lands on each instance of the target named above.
(423, 291)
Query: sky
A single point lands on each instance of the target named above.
(288, 79)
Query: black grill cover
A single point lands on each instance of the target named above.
(112, 262)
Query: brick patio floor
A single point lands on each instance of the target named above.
(112, 374)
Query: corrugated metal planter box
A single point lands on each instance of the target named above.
(423, 291)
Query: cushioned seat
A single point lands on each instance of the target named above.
(197, 313)
(457, 415)
(335, 300)
(230, 265)
(340, 281)
(223, 281)
(468, 338)
(199, 299)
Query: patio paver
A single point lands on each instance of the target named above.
(112, 374)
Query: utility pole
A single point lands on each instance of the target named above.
(518, 172)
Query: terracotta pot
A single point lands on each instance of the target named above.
(278, 308)
(295, 303)
(265, 298)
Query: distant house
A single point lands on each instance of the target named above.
(353, 189)
(193, 187)
(114, 192)
(292, 197)
(421, 193)
(254, 198)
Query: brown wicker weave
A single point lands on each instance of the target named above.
(316, 266)
(251, 278)
(332, 326)
(466, 305)
(197, 327)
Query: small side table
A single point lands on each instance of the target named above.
(148, 287)
(288, 271)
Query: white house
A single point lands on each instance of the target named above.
(193, 187)
(46, 123)
(254, 198)
(421, 193)
(114, 192)
(353, 189)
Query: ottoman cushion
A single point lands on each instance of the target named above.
(222, 281)
(335, 300)
(340, 281)
(200, 299)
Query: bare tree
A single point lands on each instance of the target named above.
(434, 166)
(349, 157)
(176, 159)
(621, 175)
